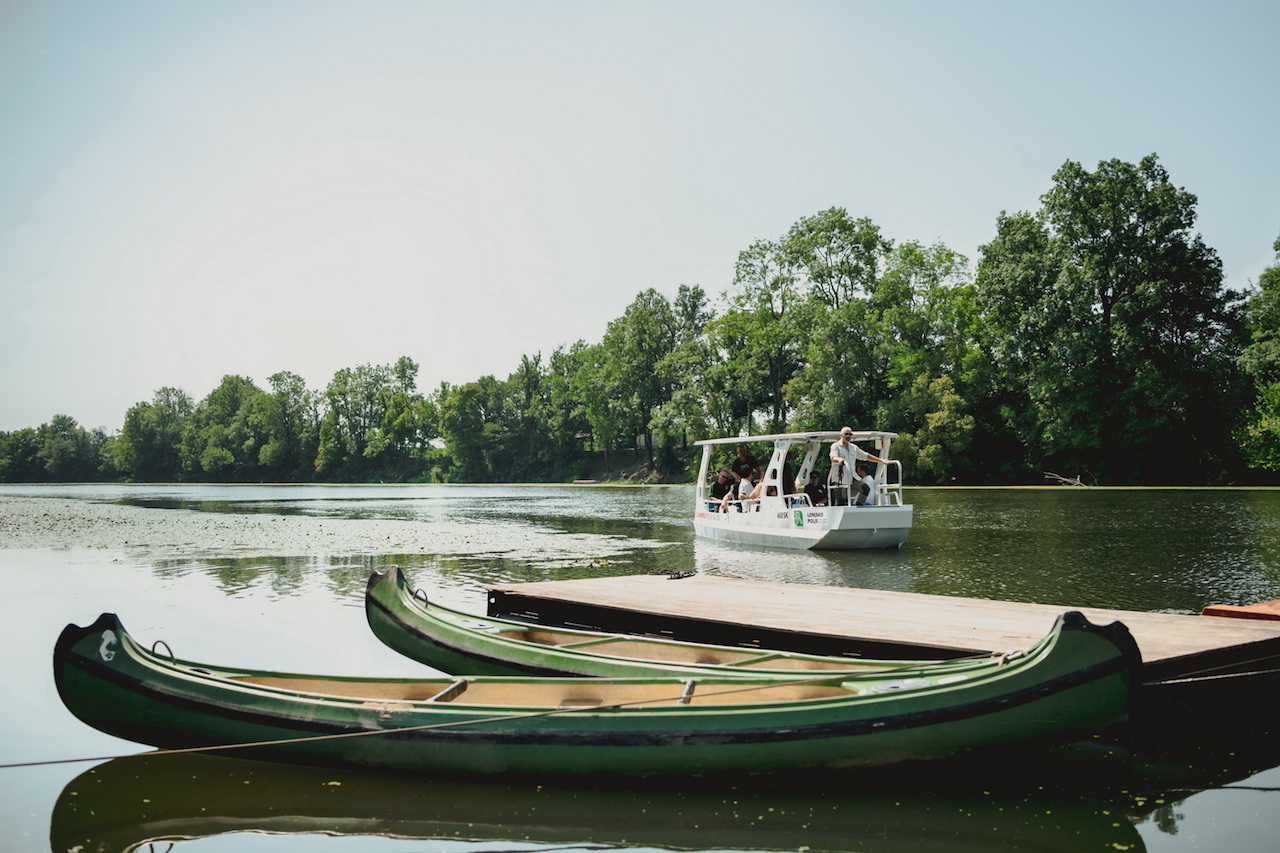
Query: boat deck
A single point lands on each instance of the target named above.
(870, 623)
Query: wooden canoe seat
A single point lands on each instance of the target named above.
(453, 691)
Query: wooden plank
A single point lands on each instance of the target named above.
(1261, 610)
(965, 625)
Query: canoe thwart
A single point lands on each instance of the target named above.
(453, 691)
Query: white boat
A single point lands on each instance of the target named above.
(783, 516)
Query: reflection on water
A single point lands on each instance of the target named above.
(126, 803)
(1073, 798)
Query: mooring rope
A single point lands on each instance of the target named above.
(570, 709)
(1209, 675)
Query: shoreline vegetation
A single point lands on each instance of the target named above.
(1096, 338)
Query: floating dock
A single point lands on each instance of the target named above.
(1185, 657)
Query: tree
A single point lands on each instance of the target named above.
(633, 347)
(67, 453)
(224, 437)
(20, 456)
(288, 418)
(1260, 360)
(838, 256)
(147, 447)
(471, 424)
(1139, 337)
(762, 335)
(352, 441)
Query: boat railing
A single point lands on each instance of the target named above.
(890, 491)
(888, 485)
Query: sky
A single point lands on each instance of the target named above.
(195, 189)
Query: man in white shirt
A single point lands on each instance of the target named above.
(866, 486)
(844, 456)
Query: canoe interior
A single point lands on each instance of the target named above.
(648, 650)
(537, 694)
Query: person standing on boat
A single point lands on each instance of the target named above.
(844, 455)
(745, 466)
(866, 486)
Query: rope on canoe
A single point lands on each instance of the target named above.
(226, 747)
(1209, 675)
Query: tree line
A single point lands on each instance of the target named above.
(1095, 340)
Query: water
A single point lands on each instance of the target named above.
(273, 577)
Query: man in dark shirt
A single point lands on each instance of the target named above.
(722, 484)
(816, 490)
(745, 465)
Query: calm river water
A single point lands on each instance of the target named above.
(272, 577)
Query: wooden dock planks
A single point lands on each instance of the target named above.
(885, 620)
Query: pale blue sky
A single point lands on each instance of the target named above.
(193, 189)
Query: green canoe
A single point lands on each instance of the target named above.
(456, 642)
(1074, 681)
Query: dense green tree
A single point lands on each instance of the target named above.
(761, 337)
(473, 425)
(869, 357)
(601, 405)
(352, 442)
(67, 453)
(1260, 360)
(839, 257)
(564, 415)
(633, 347)
(1022, 314)
(147, 447)
(1139, 335)
(289, 419)
(20, 456)
(686, 413)
(224, 437)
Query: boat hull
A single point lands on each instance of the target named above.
(1076, 680)
(809, 528)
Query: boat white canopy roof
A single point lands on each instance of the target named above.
(821, 435)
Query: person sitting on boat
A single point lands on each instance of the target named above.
(742, 491)
(816, 490)
(844, 455)
(866, 486)
(722, 485)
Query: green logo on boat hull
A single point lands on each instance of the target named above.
(798, 516)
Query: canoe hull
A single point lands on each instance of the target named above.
(1075, 681)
